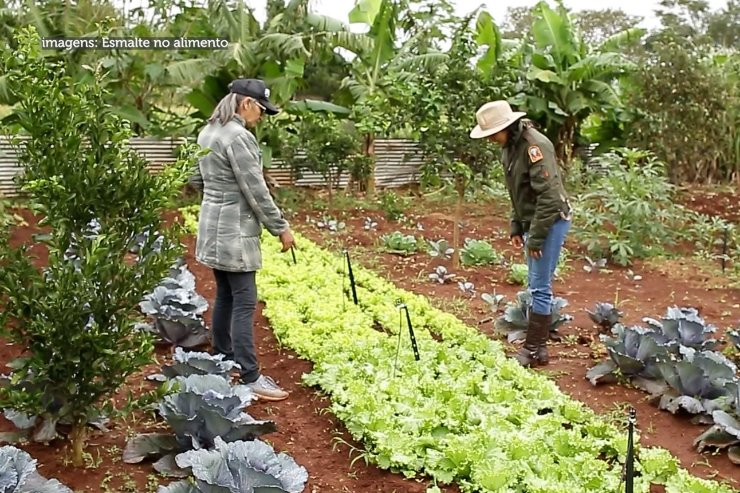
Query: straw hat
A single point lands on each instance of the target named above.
(493, 117)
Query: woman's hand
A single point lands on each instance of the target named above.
(535, 254)
(517, 241)
(286, 238)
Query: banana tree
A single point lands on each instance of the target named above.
(566, 80)
(276, 52)
(380, 63)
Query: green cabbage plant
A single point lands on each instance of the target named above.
(239, 467)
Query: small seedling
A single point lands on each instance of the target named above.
(605, 315)
(370, 224)
(494, 301)
(440, 249)
(594, 266)
(466, 287)
(440, 275)
(331, 224)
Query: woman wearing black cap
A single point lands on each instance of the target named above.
(236, 205)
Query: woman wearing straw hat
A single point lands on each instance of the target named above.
(236, 204)
(540, 216)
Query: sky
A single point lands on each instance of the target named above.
(340, 8)
(643, 8)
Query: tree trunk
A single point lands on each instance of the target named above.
(566, 141)
(79, 433)
(460, 187)
(368, 148)
(330, 187)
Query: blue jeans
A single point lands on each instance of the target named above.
(542, 270)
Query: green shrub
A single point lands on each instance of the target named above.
(631, 212)
(478, 252)
(76, 318)
(329, 146)
(687, 107)
(393, 205)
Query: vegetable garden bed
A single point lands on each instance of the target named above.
(642, 291)
(305, 430)
(308, 433)
(468, 414)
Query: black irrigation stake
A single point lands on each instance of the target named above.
(724, 249)
(401, 308)
(344, 283)
(629, 465)
(351, 277)
(411, 333)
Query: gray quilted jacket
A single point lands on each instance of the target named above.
(236, 201)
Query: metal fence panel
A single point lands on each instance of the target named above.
(397, 163)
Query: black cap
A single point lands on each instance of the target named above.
(254, 88)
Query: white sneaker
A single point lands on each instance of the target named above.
(266, 389)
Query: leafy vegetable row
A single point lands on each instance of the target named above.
(213, 439)
(675, 360)
(465, 413)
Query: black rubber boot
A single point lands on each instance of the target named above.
(542, 355)
(534, 352)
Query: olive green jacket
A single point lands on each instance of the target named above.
(535, 185)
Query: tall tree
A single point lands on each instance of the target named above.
(693, 19)
(723, 27)
(518, 23)
(597, 26)
(684, 17)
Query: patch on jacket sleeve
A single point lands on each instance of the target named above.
(535, 154)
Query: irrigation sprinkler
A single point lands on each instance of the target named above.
(351, 276)
(629, 463)
(401, 309)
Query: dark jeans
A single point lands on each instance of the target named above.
(233, 315)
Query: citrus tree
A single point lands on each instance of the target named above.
(323, 143)
(76, 316)
(443, 106)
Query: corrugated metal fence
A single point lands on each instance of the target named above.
(397, 163)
